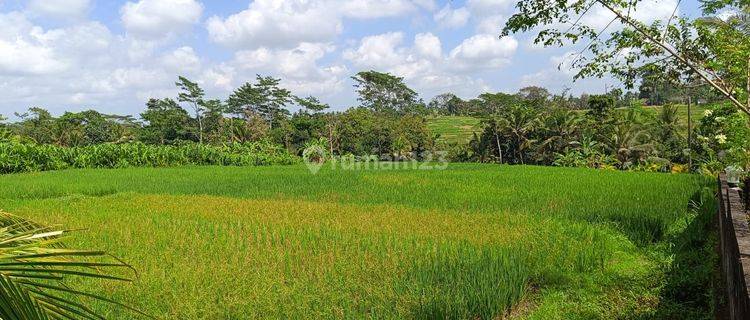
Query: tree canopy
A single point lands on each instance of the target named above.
(710, 50)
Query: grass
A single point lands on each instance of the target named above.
(454, 129)
(472, 241)
(682, 113)
(460, 129)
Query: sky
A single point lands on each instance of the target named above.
(112, 56)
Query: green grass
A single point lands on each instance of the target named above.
(682, 113)
(454, 129)
(460, 129)
(472, 241)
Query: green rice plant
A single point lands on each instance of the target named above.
(465, 282)
(472, 241)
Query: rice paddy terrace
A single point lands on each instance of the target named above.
(472, 241)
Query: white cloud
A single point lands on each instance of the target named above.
(557, 75)
(491, 24)
(29, 49)
(428, 45)
(564, 63)
(182, 59)
(64, 9)
(646, 11)
(22, 57)
(80, 66)
(426, 4)
(368, 9)
(275, 24)
(286, 24)
(159, 18)
(424, 65)
(484, 51)
(297, 67)
(452, 18)
(379, 51)
(488, 7)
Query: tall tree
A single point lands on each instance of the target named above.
(534, 96)
(244, 101)
(192, 94)
(312, 104)
(37, 124)
(264, 98)
(446, 103)
(166, 122)
(383, 92)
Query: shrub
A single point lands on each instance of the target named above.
(19, 157)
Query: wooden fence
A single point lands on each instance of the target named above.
(734, 248)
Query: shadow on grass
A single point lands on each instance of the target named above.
(692, 280)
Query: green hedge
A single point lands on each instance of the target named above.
(19, 157)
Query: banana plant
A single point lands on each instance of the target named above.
(34, 267)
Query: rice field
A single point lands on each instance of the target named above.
(469, 242)
(455, 129)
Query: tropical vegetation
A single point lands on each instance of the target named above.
(279, 242)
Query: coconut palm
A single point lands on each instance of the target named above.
(34, 266)
(561, 127)
(520, 122)
(629, 140)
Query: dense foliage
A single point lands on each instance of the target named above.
(254, 126)
(708, 51)
(24, 157)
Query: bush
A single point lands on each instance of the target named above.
(19, 157)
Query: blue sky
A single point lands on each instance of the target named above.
(113, 55)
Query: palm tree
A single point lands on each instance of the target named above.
(34, 266)
(629, 140)
(519, 123)
(562, 131)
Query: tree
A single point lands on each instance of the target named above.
(561, 131)
(535, 96)
(37, 124)
(273, 99)
(244, 101)
(214, 123)
(384, 93)
(192, 94)
(85, 128)
(494, 103)
(600, 106)
(666, 130)
(264, 98)
(311, 103)
(629, 140)
(446, 104)
(521, 122)
(713, 51)
(166, 122)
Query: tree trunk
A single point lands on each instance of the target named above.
(499, 150)
(330, 139)
(200, 123)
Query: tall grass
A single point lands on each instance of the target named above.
(17, 157)
(469, 242)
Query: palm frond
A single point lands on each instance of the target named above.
(34, 267)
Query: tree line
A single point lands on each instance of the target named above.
(531, 126)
